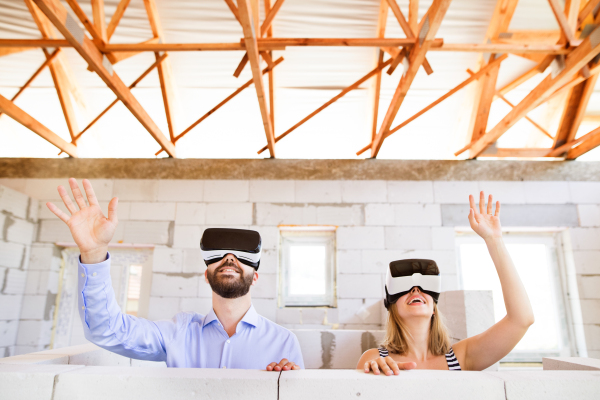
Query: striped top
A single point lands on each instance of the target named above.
(451, 359)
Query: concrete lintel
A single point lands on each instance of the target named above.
(273, 169)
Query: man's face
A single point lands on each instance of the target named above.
(229, 278)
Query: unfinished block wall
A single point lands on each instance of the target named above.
(378, 221)
(18, 218)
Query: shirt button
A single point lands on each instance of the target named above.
(94, 274)
(224, 367)
(82, 275)
(83, 307)
(228, 341)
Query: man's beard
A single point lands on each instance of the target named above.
(228, 286)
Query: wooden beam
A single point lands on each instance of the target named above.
(379, 53)
(10, 109)
(111, 105)
(519, 80)
(592, 140)
(5, 51)
(347, 90)
(33, 43)
(35, 75)
(483, 102)
(165, 74)
(270, 17)
(579, 58)
(120, 56)
(99, 18)
(89, 26)
(266, 43)
(90, 53)
(433, 20)
(413, 14)
(586, 10)
(269, 34)
(406, 28)
(250, 36)
(461, 85)
(512, 48)
(116, 18)
(572, 8)
(565, 147)
(234, 9)
(529, 36)
(563, 21)
(574, 111)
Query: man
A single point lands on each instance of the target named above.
(231, 335)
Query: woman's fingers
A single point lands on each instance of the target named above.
(393, 365)
(472, 202)
(497, 214)
(381, 361)
(67, 200)
(77, 193)
(89, 191)
(490, 204)
(481, 202)
(407, 365)
(374, 367)
(58, 212)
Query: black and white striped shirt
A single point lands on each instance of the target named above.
(453, 364)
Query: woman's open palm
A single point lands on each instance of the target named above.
(485, 223)
(91, 230)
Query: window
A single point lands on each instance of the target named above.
(307, 267)
(535, 257)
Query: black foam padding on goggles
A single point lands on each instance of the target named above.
(409, 267)
(244, 244)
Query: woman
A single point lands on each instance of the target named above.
(416, 336)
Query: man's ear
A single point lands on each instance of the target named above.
(206, 275)
(254, 278)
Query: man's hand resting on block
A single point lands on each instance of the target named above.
(284, 365)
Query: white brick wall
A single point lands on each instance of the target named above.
(378, 221)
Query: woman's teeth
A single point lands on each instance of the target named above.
(416, 300)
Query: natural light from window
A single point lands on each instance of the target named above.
(307, 270)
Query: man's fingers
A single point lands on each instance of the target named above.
(77, 193)
(497, 214)
(112, 210)
(472, 219)
(490, 204)
(271, 366)
(481, 202)
(67, 200)
(288, 366)
(296, 367)
(393, 365)
(89, 191)
(58, 212)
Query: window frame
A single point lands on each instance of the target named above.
(308, 235)
(558, 280)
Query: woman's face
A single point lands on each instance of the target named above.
(415, 304)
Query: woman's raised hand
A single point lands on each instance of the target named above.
(91, 230)
(388, 366)
(485, 223)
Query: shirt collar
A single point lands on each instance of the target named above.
(251, 317)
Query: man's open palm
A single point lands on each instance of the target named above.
(91, 230)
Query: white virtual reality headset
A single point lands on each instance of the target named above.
(403, 275)
(244, 244)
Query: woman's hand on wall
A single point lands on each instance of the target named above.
(484, 221)
(387, 365)
(90, 229)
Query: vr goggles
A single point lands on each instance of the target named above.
(244, 244)
(403, 275)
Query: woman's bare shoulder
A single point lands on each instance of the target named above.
(369, 355)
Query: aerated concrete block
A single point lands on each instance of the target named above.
(53, 230)
(585, 192)
(410, 191)
(174, 285)
(20, 231)
(178, 383)
(10, 305)
(520, 215)
(550, 385)
(11, 254)
(229, 214)
(353, 238)
(135, 189)
(547, 192)
(359, 286)
(507, 192)
(340, 215)
(190, 214)
(36, 358)
(417, 215)
(571, 363)
(180, 190)
(151, 232)
(467, 312)
(318, 192)
(454, 192)
(589, 214)
(379, 215)
(166, 259)
(413, 238)
(29, 382)
(145, 211)
(163, 307)
(285, 214)
(226, 191)
(13, 202)
(272, 191)
(364, 191)
(335, 384)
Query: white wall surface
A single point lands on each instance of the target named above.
(378, 221)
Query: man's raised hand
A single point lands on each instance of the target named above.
(90, 229)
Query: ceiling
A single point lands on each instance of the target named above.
(307, 78)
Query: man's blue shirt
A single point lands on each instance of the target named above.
(189, 340)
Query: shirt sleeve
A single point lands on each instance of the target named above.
(106, 326)
(295, 353)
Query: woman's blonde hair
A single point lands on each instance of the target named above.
(395, 336)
